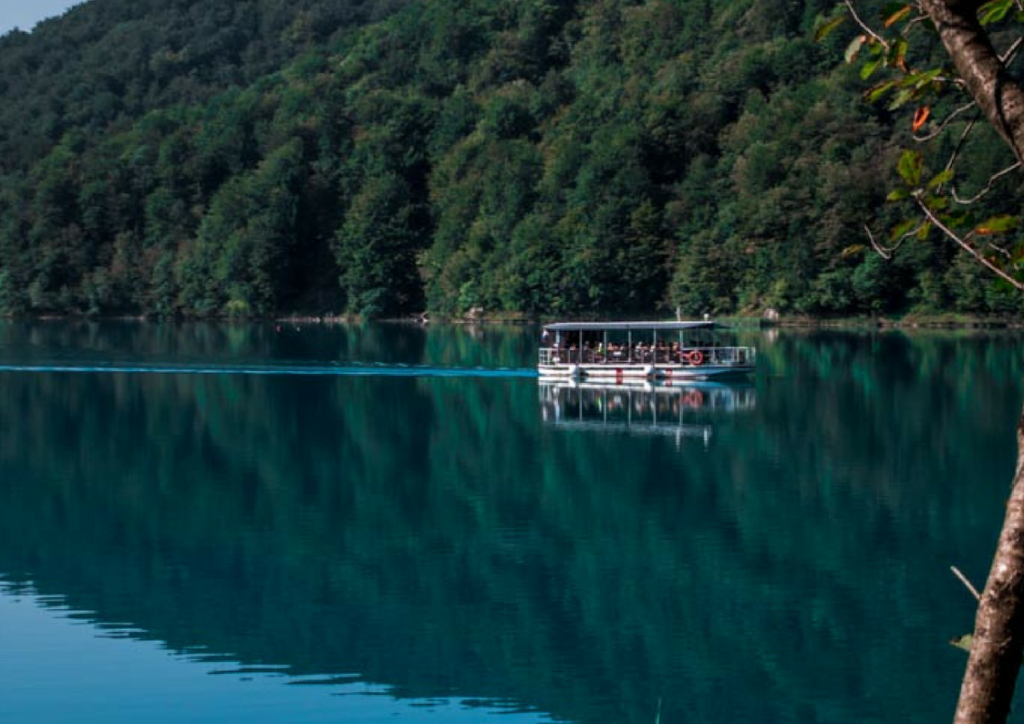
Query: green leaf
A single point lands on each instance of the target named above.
(993, 12)
(898, 54)
(868, 68)
(963, 642)
(890, 9)
(903, 228)
(924, 78)
(909, 167)
(854, 47)
(873, 94)
(897, 195)
(997, 224)
(824, 31)
(905, 95)
(941, 178)
(891, 18)
(922, 233)
(853, 250)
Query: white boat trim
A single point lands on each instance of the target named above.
(570, 354)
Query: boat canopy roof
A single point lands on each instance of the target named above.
(630, 326)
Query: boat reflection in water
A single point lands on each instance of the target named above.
(681, 410)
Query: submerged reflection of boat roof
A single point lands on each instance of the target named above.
(681, 410)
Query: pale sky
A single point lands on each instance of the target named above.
(25, 14)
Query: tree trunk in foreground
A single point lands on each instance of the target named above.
(998, 644)
(995, 658)
(977, 63)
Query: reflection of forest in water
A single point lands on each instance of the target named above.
(436, 535)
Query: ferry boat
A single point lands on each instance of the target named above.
(639, 352)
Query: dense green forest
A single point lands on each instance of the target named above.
(534, 157)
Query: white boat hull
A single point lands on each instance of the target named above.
(640, 373)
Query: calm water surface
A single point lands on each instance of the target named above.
(244, 523)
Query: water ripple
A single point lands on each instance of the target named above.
(351, 370)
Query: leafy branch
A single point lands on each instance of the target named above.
(888, 50)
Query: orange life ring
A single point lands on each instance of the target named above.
(696, 357)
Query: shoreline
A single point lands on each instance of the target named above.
(932, 322)
(909, 322)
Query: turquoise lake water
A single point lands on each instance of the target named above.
(293, 523)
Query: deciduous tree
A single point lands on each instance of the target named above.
(981, 40)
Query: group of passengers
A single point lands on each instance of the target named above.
(641, 352)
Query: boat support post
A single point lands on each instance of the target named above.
(654, 356)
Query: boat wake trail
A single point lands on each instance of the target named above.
(351, 370)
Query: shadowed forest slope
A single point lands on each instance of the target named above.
(516, 156)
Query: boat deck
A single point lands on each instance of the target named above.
(621, 352)
(657, 364)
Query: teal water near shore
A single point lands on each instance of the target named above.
(453, 542)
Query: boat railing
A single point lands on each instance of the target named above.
(686, 356)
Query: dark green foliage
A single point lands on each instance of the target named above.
(376, 248)
(515, 156)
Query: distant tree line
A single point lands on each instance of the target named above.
(537, 157)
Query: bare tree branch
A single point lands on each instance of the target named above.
(1000, 250)
(964, 580)
(966, 246)
(1007, 57)
(945, 124)
(864, 26)
(988, 187)
(887, 252)
(960, 142)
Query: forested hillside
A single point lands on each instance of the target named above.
(539, 157)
